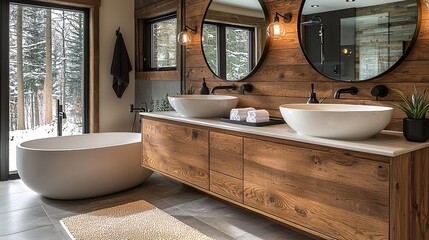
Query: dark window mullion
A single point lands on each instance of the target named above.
(86, 70)
(152, 61)
(251, 49)
(4, 90)
(222, 54)
(147, 45)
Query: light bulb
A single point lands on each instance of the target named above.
(276, 30)
(346, 51)
(184, 37)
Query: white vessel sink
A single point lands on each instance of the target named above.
(336, 121)
(203, 106)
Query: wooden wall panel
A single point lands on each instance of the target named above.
(285, 75)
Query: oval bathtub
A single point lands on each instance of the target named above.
(81, 166)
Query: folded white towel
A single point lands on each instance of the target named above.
(239, 114)
(259, 113)
(258, 116)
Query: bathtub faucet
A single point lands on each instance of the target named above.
(60, 116)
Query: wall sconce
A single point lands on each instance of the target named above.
(184, 37)
(277, 29)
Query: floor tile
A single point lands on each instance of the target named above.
(273, 231)
(42, 233)
(197, 224)
(10, 187)
(207, 229)
(23, 220)
(16, 201)
(202, 206)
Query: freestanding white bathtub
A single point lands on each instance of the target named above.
(81, 166)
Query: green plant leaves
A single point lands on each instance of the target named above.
(416, 106)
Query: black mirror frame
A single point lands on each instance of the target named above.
(397, 63)
(263, 55)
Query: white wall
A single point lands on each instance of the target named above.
(114, 115)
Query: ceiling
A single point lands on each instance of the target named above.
(249, 4)
(332, 5)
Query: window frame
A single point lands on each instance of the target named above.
(148, 40)
(221, 43)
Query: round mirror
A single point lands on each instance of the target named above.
(234, 38)
(358, 40)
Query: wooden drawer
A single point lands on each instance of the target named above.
(335, 194)
(226, 154)
(226, 186)
(179, 151)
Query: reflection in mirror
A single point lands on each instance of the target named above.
(234, 37)
(357, 40)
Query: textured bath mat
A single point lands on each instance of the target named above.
(137, 220)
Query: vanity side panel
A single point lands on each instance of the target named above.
(180, 151)
(337, 195)
(421, 195)
(400, 199)
(226, 154)
(410, 196)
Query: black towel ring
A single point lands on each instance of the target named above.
(117, 31)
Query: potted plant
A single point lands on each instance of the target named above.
(415, 125)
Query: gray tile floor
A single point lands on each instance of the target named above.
(26, 215)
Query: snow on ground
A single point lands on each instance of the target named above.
(50, 130)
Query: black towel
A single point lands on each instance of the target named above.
(121, 66)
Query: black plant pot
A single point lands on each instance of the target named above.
(416, 130)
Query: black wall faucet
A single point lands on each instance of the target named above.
(352, 91)
(247, 87)
(232, 87)
(60, 116)
(379, 91)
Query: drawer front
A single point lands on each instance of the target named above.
(226, 154)
(180, 151)
(226, 186)
(335, 194)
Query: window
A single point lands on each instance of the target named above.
(48, 60)
(236, 59)
(160, 43)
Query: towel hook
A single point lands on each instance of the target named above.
(117, 31)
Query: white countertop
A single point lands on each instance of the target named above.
(386, 143)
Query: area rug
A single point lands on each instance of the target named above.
(137, 220)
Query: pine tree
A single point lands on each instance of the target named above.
(34, 60)
(47, 89)
(20, 72)
(12, 68)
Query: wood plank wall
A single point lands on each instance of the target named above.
(285, 74)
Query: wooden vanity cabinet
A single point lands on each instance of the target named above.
(329, 192)
(226, 165)
(178, 151)
(335, 194)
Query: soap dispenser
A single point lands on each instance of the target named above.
(204, 90)
(312, 98)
